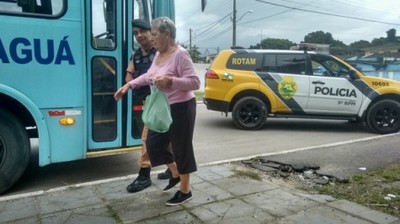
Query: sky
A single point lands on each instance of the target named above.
(347, 20)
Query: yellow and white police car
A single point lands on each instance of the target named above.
(256, 84)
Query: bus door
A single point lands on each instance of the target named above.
(134, 125)
(107, 58)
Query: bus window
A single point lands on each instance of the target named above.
(37, 7)
(103, 29)
(103, 104)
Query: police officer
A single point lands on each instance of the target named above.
(139, 64)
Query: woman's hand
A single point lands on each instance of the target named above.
(121, 91)
(163, 82)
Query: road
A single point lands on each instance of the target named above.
(216, 139)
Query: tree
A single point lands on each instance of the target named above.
(378, 41)
(391, 35)
(319, 37)
(273, 43)
(194, 53)
(360, 44)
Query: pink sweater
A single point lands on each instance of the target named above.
(184, 78)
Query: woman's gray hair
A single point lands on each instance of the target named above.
(164, 24)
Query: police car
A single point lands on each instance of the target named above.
(256, 84)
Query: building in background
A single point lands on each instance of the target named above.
(381, 61)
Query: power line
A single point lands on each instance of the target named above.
(328, 14)
(212, 25)
(198, 36)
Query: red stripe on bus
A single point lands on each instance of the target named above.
(56, 113)
(137, 108)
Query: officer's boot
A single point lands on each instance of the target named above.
(141, 182)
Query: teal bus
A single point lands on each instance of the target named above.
(60, 63)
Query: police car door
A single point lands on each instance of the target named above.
(331, 89)
(284, 74)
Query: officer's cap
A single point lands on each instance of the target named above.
(140, 23)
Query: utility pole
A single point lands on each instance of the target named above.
(234, 21)
(190, 40)
(234, 24)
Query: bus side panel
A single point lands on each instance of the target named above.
(45, 61)
(65, 140)
(56, 79)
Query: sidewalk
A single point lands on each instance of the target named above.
(218, 197)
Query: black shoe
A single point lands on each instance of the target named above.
(139, 184)
(166, 175)
(179, 198)
(172, 182)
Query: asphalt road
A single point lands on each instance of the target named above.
(335, 145)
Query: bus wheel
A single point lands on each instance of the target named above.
(14, 150)
(249, 113)
(383, 117)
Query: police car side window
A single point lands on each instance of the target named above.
(269, 63)
(326, 66)
(290, 63)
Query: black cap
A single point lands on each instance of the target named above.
(140, 23)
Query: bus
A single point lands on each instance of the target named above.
(60, 63)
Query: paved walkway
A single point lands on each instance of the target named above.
(218, 197)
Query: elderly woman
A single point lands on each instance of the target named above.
(173, 72)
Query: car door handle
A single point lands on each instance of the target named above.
(318, 82)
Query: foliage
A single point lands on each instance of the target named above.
(273, 43)
(360, 44)
(379, 189)
(391, 35)
(378, 41)
(337, 47)
(319, 37)
(194, 53)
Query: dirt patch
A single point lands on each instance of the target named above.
(378, 189)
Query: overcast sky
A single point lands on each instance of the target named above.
(283, 19)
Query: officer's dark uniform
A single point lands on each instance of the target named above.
(142, 63)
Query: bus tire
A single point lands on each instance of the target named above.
(249, 113)
(383, 117)
(14, 150)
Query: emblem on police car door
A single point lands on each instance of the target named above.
(287, 88)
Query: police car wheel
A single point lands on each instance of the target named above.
(14, 150)
(249, 113)
(383, 117)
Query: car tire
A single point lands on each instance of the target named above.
(14, 150)
(249, 113)
(383, 117)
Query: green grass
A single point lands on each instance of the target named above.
(199, 95)
(379, 189)
(247, 174)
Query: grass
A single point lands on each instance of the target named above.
(247, 174)
(378, 190)
(199, 95)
